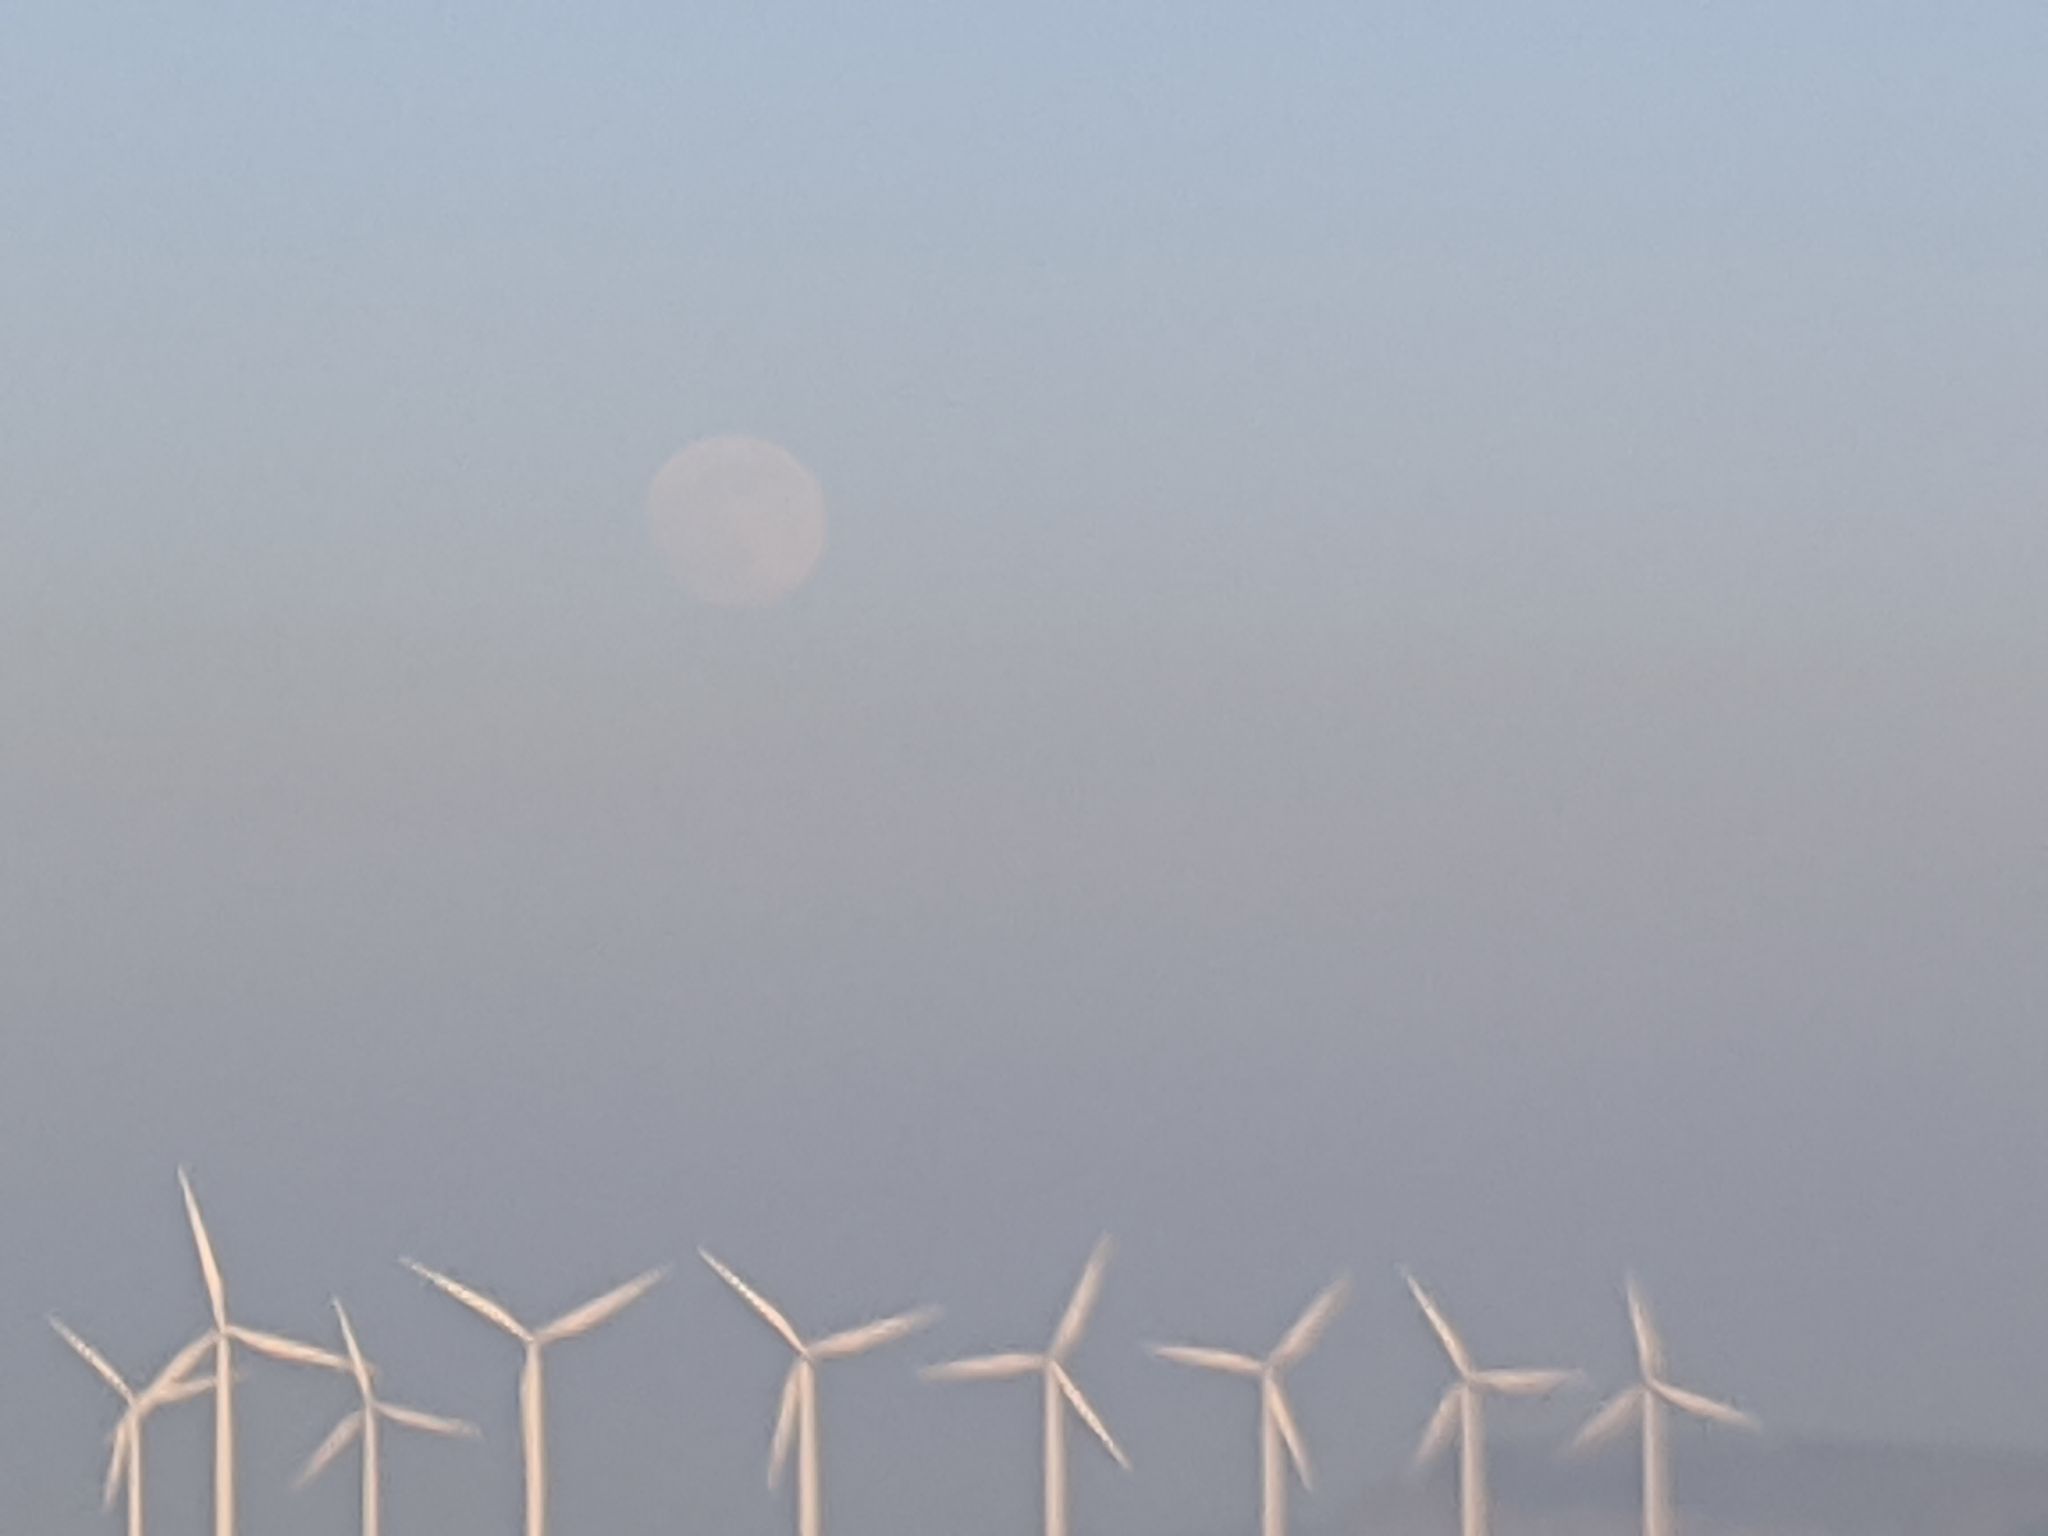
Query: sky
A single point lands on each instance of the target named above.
(1432, 653)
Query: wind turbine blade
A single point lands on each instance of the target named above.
(1075, 1319)
(1461, 1358)
(432, 1423)
(1611, 1420)
(182, 1391)
(1308, 1328)
(289, 1350)
(175, 1370)
(756, 1300)
(476, 1301)
(1649, 1348)
(339, 1439)
(1524, 1383)
(1088, 1415)
(1443, 1424)
(985, 1368)
(1283, 1420)
(1204, 1358)
(173, 1381)
(785, 1423)
(1705, 1407)
(858, 1341)
(117, 1464)
(95, 1359)
(209, 1267)
(356, 1362)
(606, 1307)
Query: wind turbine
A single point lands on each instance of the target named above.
(532, 1417)
(364, 1423)
(225, 1336)
(1649, 1398)
(1462, 1411)
(798, 1414)
(1277, 1426)
(170, 1385)
(1060, 1391)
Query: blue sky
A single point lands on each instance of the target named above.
(1431, 653)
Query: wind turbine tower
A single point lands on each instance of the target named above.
(171, 1385)
(1649, 1401)
(1060, 1392)
(366, 1423)
(797, 1417)
(532, 1401)
(1462, 1413)
(1277, 1425)
(225, 1336)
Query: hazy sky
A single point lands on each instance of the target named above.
(1433, 651)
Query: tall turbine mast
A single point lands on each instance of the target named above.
(532, 1395)
(224, 1337)
(170, 1385)
(1647, 1403)
(1277, 1426)
(1461, 1414)
(796, 1417)
(366, 1424)
(1060, 1391)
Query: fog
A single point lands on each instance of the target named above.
(1430, 655)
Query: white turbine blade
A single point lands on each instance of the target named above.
(1308, 1328)
(785, 1423)
(1649, 1348)
(95, 1359)
(1088, 1415)
(209, 1267)
(475, 1300)
(177, 1392)
(858, 1341)
(1204, 1358)
(1704, 1407)
(356, 1362)
(1075, 1319)
(1443, 1424)
(1611, 1420)
(1283, 1419)
(1524, 1383)
(290, 1351)
(117, 1464)
(1461, 1359)
(339, 1439)
(606, 1307)
(985, 1368)
(756, 1300)
(432, 1423)
(175, 1370)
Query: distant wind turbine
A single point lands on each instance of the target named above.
(170, 1385)
(1060, 1391)
(1647, 1400)
(532, 1417)
(366, 1423)
(225, 1336)
(1462, 1411)
(798, 1414)
(1277, 1426)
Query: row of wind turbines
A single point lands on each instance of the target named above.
(1460, 1416)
